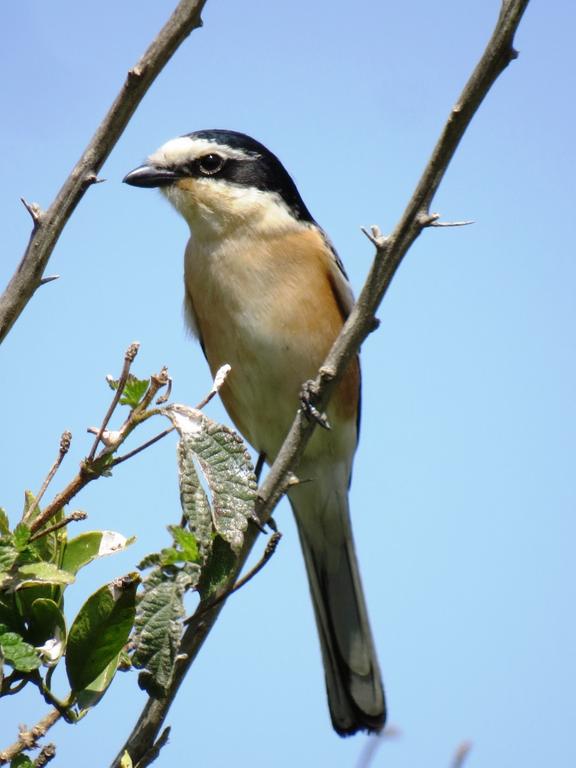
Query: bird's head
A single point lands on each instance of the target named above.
(221, 180)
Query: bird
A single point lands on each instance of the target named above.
(265, 292)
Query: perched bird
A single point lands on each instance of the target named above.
(266, 292)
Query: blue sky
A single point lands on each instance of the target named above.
(463, 495)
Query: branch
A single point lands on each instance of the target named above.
(461, 754)
(391, 250)
(48, 225)
(94, 466)
(27, 739)
(389, 253)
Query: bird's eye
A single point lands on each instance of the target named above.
(211, 164)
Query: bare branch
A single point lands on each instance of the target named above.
(389, 253)
(47, 754)
(129, 357)
(48, 225)
(95, 466)
(65, 441)
(27, 739)
(140, 448)
(154, 750)
(461, 754)
(75, 517)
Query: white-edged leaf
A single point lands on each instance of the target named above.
(88, 546)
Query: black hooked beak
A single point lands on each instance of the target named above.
(149, 176)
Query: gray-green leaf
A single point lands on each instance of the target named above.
(158, 628)
(226, 466)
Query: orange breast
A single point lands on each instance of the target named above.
(270, 312)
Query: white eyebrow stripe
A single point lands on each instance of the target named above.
(185, 149)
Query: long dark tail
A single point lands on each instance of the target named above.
(353, 683)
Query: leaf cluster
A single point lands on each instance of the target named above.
(35, 571)
(217, 494)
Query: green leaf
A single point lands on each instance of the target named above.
(100, 630)
(4, 523)
(49, 546)
(21, 536)
(158, 627)
(19, 654)
(187, 544)
(217, 569)
(21, 761)
(93, 692)
(134, 391)
(227, 469)
(8, 554)
(43, 573)
(29, 502)
(90, 545)
(9, 615)
(46, 623)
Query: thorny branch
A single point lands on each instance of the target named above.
(390, 251)
(48, 225)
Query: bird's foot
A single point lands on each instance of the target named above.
(307, 398)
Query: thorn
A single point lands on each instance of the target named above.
(375, 236)
(254, 519)
(426, 219)
(272, 525)
(49, 279)
(259, 466)
(34, 210)
(451, 223)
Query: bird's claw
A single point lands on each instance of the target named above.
(307, 395)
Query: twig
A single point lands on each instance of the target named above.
(129, 358)
(461, 754)
(48, 225)
(154, 750)
(95, 467)
(147, 444)
(75, 517)
(162, 379)
(65, 441)
(219, 379)
(47, 754)
(389, 253)
(27, 739)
